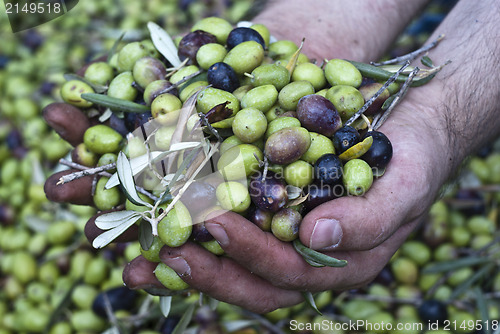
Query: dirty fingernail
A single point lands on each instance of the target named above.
(180, 265)
(326, 235)
(218, 232)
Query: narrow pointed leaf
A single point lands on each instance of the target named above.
(482, 306)
(317, 257)
(114, 103)
(454, 264)
(427, 61)
(146, 237)
(112, 51)
(308, 296)
(464, 286)
(126, 177)
(165, 304)
(185, 320)
(113, 219)
(164, 44)
(110, 235)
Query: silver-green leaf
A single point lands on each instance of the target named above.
(165, 304)
(111, 220)
(126, 177)
(110, 235)
(164, 43)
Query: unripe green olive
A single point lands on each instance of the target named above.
(285, 224)
(83, 296)
(299, 174)
(106, 199)
(182, 73)
(121, 87)
(102, 139)
(216, 26)
(281, 123)
(83, 156)
(163, 137)
(346, 99)
(417, 251)
(100, 73)
(245, 57)
(87, 320)
(210, 54)
(320, 145)
(72, 90)
(228, 143)
(263, 31)
(358, 177)
(147, 70)
(61, 328)
(233, 196)
(25, 268)
(271, 74)
(174, 230)
(96, 271)
(213, 247)
(405, 270)
(169, 278)
(154, 88)
(290, 95)
(239, 162)
(249, 125)
(129, 54)
(48, 273)
(262, 98)
(166, 108)
(191, 89)
(153, 252)
(342, 72)
(211, 97)
(61, 232)
(106, 159)
(282, 49)
(310, 72)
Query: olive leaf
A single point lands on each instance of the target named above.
(309, 298)
(388, 102)
(138, 164)
(455, 264)
(164, 44)
(185, 320)
(62, 306)
(97, 88)
(482, 306)
(165, 304)
(478, 275)
(105, 116)
(111, 220)
(297, 201)
(218, 113)
(146, 236)
(317, 258)
(427, 61)
(293, 192)
(110, 235)
(114, 103)
(112, 51)
(126, 177)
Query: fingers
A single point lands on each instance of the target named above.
(138, 274)
(68, 121)
(92, 231)
(75, 192)
(224, 279)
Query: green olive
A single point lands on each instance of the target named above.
(342, 72)
(96, 272)
(166, 108)
(61, 232)
(191, 89)
(358, 177)
(249, 125)
(100, 73)
(228, 143)
(285, 224)
(153, 253)
(287, 145)
(282, 49)
(271, 74)
(405, 270)
(102, 139)
(25, 268)
(210, 54)
(211, 97)
(213, 247)
(163, 137)
(182, 73)
(106, 199)
(245, 57)
(169, 278)
(346, 99)
(87, 320)
(216, 26)
(174, 230)
(262, 98)
(299, 174)
(263, 31)
(129, 54)
(72, 90)
(281, 123)
(233, 196)
(310, 72)
(239, 162)
(290, 95)
(320, 145)
(83, 296)
(121, 87)
(147, 70)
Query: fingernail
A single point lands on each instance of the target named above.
(218, 232)
(326, 234)
(179, 265)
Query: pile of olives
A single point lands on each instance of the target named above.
(279, 119)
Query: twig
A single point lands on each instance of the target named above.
(412, 55)
(84, 171)
(377, 94)
(380, 119)
(180, 82)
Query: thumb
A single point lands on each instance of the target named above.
(357, 223)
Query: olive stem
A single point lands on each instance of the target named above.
(84, 171)
(377, 94)
(412, 55)
(368, 123)
(381, 118)
(180, 82)
(249, 75)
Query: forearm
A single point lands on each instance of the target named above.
(359, 30)
(462, 100)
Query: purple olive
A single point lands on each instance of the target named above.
(268, 193)
(317, 114)
(189, 44)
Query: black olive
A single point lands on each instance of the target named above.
(328, 169)
(240, 35)
(120, 298)
(380, 153)
(432, 311)
(222, 76)
(345, 138)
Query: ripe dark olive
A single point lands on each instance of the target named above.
(120, 298)
(189, 44)
(134, 120)
(222, 76)
(268, 193)
(261, 218)
(198, 197)
(431, 311)
(118, 124)
(317, 114)
(473, 201)
(240, 35)
(345, 138)
(328, 169)
(200, 233)
(380, 153)
(4, 60)
(320, 193)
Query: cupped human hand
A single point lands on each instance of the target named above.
(262, 273)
